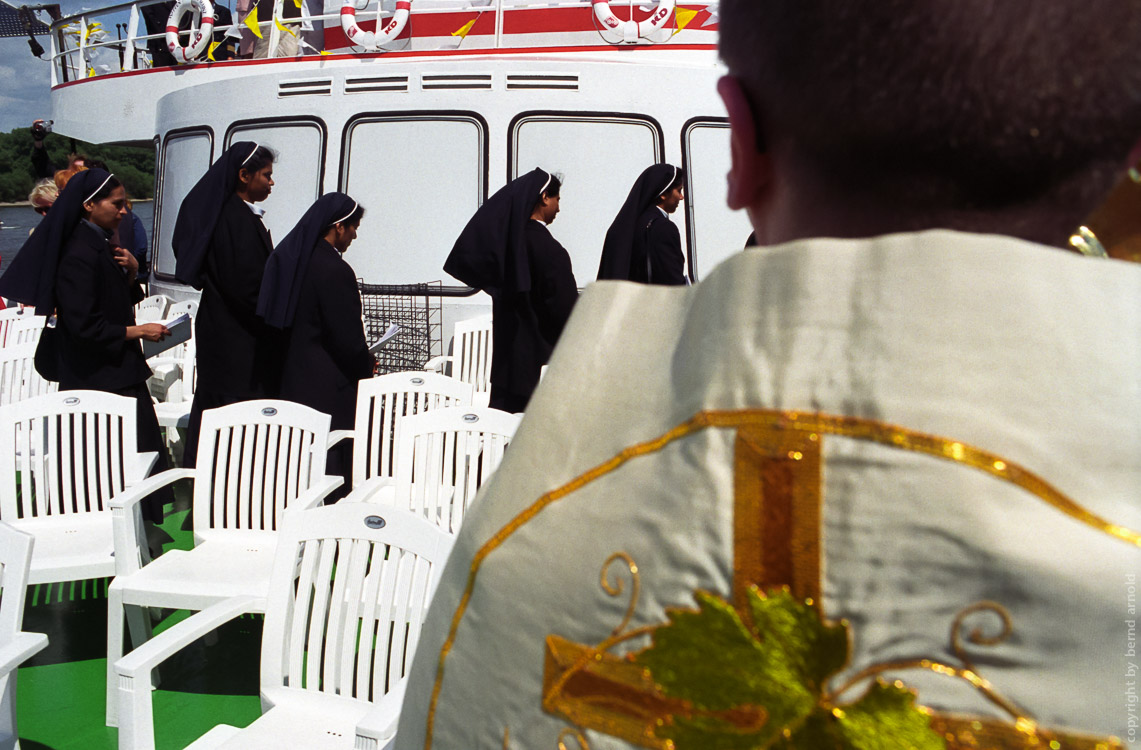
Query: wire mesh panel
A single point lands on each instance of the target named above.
(415, 310)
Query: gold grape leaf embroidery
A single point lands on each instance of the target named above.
(778, 669)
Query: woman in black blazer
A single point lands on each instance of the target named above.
(311, 292)
(69, 267)
(221, 246)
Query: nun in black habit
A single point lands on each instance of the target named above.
(506, 251)
(221, 247)
(68, 268)
(642, 244)
(311, 292)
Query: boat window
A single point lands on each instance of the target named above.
(186, 155)
(599, 157)
(298, 172)
(715, 232)
(420, 177)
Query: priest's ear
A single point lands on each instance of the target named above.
(750, 173)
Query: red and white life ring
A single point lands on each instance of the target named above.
(369, 39)
(632, 31)
(199, 37)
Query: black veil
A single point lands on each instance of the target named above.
(618, 248)
(30, 278)
(198, 214)
(289, 261)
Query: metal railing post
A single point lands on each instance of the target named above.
(132, 33)
(498, 23)
(83, 46)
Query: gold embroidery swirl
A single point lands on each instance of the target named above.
(976, 636)
(853, 427)
(576, 735)
(617, 588)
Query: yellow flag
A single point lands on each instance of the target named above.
(283, 28)
(683, 16)
(210, 51)
(252, 22)
(462, 31)
(297, 3)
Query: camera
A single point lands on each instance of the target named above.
(41, 128)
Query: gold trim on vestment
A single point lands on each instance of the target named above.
(803, 423)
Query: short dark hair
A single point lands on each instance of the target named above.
(678, 181)
(554, 185)
(974, 104)
(106, 190)
(351, 220)
(261, 158)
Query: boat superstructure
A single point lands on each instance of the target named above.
(422, 130)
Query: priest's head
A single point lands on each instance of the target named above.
(860, 117)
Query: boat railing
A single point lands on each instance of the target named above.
(82, 45)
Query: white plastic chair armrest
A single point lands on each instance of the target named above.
(363, 493)
(313, 496)
(436, 364)
(337, 436)
(136, 710)
(20, 649)
(378, 726)
(136, 493)
(131, 552)
(144, 462)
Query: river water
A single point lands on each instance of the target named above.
(18, 220)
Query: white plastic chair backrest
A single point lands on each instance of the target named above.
(71, 452)
(11, 316)
(190, 307)
(183, 390)
(15, 559)
(18, 377)
(25, 330)
(348, 595)
(152, 308)
(445, 456)
(383, 403)
(254, 458)
(471, 352)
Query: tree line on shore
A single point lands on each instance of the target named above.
(133, 165)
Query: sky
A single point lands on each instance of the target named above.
(25, 81)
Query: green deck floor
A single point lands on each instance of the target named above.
(61, 690)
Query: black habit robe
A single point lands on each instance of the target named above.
(531, 323)
(513, 258)
(327, 355)
(311, 292)
(239, 357)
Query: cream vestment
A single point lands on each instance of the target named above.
(926, 434)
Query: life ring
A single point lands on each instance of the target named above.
(369, 39)
(199, 37)
(632, 31)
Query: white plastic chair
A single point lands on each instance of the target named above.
(63, 458)
(16, 317)
(152, 309)
(256, 459)
(189, 306)
(16, 646)
(382, 404)
(18, 377)
(25, 330)
(445, 456)
(349, 591)
(173, 411)
(470, 358)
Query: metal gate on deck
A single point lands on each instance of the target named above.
(416, 310)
